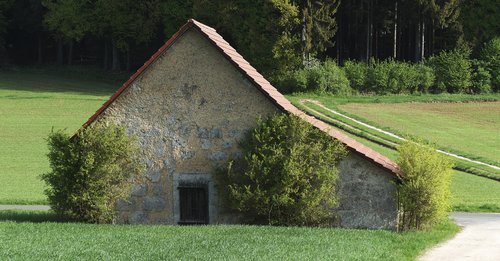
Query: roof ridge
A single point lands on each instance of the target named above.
(262, 85)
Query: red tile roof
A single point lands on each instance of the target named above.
(262, 85)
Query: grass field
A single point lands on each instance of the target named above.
(31, 104)
(67, 241)
(464, 124)
(472, 127)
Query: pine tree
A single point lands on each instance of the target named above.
(319, 25)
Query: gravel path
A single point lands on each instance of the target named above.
(478, 240)
(24, 207)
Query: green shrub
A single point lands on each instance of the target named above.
(389, 76)
(453, 71)
(490, 55)
(287, 174)
(425, 78)
(90, 171)
(424, 193)
(356, 74)
(333, 79)
(324, 77)
(377, 77)
(402, 78)
(295, 81)
(481, 78)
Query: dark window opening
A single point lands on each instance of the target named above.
(194, 205)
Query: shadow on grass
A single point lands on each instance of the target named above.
(484, 208)
(38, 216)
(77, 79)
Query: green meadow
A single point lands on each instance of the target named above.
(28, 236)
(32, 103)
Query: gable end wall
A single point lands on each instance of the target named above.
(190, 108)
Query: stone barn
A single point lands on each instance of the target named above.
(189, 105)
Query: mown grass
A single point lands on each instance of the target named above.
(392, 142)
(469, 127)
(456, 123)
(474, 194)
(67, 241)
(32, 102)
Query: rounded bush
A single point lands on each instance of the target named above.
(324, 77)
(334, 79)
(377, 77)
(453, 71)
(356, 74)
(287, 174)
(91, 171)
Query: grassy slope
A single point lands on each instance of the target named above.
(27, 240)
(469, 192)
(31, 104)
(380, 138)
(477, 122)
(468, 127)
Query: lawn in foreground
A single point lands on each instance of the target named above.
(31, 104)
(66, 241)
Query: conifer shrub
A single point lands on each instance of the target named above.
(287, 174)
(424, 193)
(481, 78)
(425, 78)
(490, 55)
(91, 171)
(453, 71)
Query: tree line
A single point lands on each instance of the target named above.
(275, 36)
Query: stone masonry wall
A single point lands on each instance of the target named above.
(189, 109)
(366, 194)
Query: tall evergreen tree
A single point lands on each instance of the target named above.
(4, 4)
(70, 22)
(174, 14)
(319, 25)
(126, 22)
(481, 21)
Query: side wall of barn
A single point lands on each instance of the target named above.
(367, 194)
